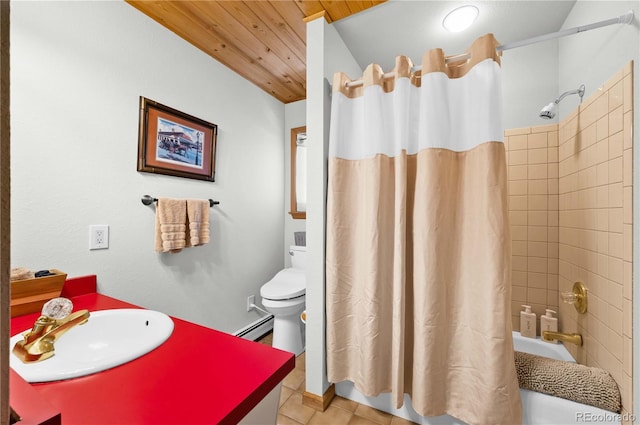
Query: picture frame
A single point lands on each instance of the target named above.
(174, 143)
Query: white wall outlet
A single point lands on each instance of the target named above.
(251, 299)
(98, 236)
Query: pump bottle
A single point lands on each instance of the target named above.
(549, 323)
(527, 322)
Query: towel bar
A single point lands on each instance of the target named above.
(148, 200)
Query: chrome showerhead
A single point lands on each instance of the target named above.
(549, 111)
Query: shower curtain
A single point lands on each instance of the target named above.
(418, 244)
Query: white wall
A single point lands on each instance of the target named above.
(591, 58)
(529, 82)
(326, 54)
(295, 116)
(77, 71)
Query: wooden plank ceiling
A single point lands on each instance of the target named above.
(263, 41)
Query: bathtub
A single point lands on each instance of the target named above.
(542, 409)
(537, 408)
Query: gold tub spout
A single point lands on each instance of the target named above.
(561, 336)
(38, 343)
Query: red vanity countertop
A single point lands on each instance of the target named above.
(198, 376)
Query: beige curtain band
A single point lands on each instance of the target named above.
(434, 60)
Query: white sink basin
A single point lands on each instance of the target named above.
(110, 338)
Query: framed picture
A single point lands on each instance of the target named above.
(174, 143)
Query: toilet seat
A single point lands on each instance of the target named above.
(286, 284)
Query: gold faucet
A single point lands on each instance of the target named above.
(561, 336)
(38, 343)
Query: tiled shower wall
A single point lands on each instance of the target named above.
(532, 159)
(596, 220)
(588, 227)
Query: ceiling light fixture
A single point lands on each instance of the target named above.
(460, 19)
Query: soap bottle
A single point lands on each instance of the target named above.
(527, 322)
(549, 323)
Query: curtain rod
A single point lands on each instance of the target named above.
(626, 18)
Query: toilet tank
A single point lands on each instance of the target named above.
(298, 256)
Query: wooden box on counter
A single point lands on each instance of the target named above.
(29, 295)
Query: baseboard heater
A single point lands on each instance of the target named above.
(256, 330)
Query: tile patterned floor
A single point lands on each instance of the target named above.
(340, 412)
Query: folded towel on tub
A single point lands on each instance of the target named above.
(171, 219)
(198, 221)
(571, 381)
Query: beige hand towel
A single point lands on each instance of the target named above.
(171, 219)
(198, 219)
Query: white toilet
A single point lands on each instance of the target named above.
(284, 297)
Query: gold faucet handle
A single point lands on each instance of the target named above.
(80, 317)
(45, 325)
